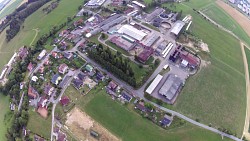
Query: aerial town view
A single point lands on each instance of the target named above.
(124, 70)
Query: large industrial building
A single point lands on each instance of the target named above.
(177, 27)
(171, 88)
(132, 32)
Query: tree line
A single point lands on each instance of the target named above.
(113, 63)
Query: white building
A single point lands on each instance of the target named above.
(153, 85)
(41, 55)
(132, 32)
(177, 27)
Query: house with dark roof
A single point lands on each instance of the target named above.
(77, 83)
(61, 136)
(68, 55)
(127, 97)
(64, 100)
(100, 76)
(145, 54)
(63, 68)
(48, 90)
(166, 121)
(56, 78)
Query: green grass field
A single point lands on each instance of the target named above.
(39, 125)
(128, 125)
(10, 8)
(207, 95)
(4, 106)
(221, 17)
(37, 20)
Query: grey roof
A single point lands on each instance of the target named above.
(154, 14)
(64, 81)
(171, 87)
(112, 18)
(54, 78)
(113, 22)
(151, 40)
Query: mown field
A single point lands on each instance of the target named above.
(4, 106)
(221, 17)
(38, 20)
(207, 95)
(127, 124)
(39, 125)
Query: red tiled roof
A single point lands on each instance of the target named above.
(145, 54)
(32, 92)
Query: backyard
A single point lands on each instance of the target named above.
(4, 117)
(39, 125)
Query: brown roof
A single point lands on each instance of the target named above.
(43, 112)
(32, 92)
(64, 100)
(145, 54)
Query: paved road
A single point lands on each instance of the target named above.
(55, 102)
(20, 103)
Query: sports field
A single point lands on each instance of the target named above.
(4, 106)
(248, 57)
(207, 95)
(38, 20)
(220, 16)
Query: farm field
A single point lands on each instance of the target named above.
(221, 17)
(213, 89)
(110, 113)
(127, 124)
(4, 106)
(39, 125)
(38, 20)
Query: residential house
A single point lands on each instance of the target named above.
(63, 68)
(34, 78)
(48, 90)
(127, 97)
(68, 55)
(41, 69)
(77, 83)
(63, 33)
(100, 76)
(23, 52)
(32, 93)
(56, 78)
(61, 136)
(41, 55)
(30, 67)
(78, 22)
(112, 85)
(89, 68)
(166, 121)
(140, 106)
(64, 100)
(64, 81)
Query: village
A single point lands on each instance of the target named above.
(138, 36)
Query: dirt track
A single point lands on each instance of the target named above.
(241, 19)
(246, 126)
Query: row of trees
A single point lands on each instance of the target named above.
(16, 19)
(113, 63)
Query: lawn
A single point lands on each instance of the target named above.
(247, 51)
(38, 20)
(4, 106)
(221, 17)
(129, 126)
(39, 125)
(207, 95)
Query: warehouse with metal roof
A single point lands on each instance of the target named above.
(171, 87)
(177, 27)
(153, 85)
(132, 32)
